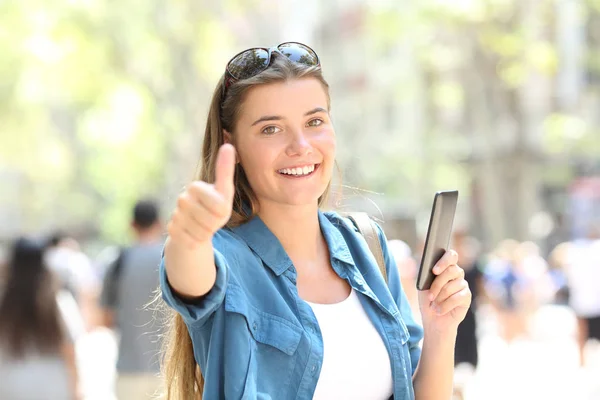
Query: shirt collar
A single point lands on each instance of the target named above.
(266, 245)
(338, 248)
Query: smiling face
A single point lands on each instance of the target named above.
(285, 142)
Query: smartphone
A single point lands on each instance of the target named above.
(438, 235)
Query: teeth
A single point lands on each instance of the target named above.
(298, 171)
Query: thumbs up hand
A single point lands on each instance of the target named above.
(204, 208)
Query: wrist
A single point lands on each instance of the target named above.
(174, 246)
(439, 335)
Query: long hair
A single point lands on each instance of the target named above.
(184, 379)
(29, 315)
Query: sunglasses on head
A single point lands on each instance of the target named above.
(251, 62)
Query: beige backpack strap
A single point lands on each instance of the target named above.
(367, 229)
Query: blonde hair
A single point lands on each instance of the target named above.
(183, 378)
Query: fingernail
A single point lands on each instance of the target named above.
(433, 306)
(438, 310)
(431, 297)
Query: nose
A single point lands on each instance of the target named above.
(299, 144)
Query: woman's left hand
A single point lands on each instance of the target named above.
(445, 304)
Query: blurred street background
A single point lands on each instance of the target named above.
(103, 104)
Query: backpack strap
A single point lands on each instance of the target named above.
(113, 278)
(366, 227)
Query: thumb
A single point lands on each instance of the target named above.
(224, 171)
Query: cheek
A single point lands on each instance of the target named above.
(327, 143)
(255, 160)
(327, 147)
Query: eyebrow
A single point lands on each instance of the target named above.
(279, 118)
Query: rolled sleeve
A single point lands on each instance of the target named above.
(415, 330)
(196, 313)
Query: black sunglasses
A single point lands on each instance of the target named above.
(251, 62)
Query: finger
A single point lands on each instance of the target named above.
(452, 287)
(196, 212)
(200, 219)
(460, 299)
(207, 197)
(450, 273)
(180, 221)
(450, 257)
(197, 235)
(180, 236)
(225, 169)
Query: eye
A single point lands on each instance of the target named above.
(315, 122)
(271, 130)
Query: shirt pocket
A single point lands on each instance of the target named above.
(269, 329)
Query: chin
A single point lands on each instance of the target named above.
(302, 200)
(299, 199)
(308, 195)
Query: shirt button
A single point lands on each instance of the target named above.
(359, 281)
(313, 369)
(254, 326)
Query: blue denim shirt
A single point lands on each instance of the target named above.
(255, 338)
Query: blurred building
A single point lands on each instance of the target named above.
(498, 133)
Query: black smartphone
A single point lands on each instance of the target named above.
(438, 235)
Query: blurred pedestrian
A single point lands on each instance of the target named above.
(535, 268)
(130, 284)
(583, 275)
(509, 289)
(76, 276)
(466, 353)
(466, 340)
(37, 354)
(557, 269)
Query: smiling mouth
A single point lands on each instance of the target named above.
(299, 172)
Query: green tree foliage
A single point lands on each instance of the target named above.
(98, 101)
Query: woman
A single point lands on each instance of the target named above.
(275, 298)
(37, 356)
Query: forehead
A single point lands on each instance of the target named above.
(285, 99)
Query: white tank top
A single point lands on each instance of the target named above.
(356, 364)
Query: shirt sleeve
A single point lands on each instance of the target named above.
(414, 329)
(85, 277)
(71, 321)
(195, 314)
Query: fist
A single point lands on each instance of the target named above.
(204, 208)
(445, 304)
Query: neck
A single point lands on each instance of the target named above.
(297, 228)
(148, 236)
